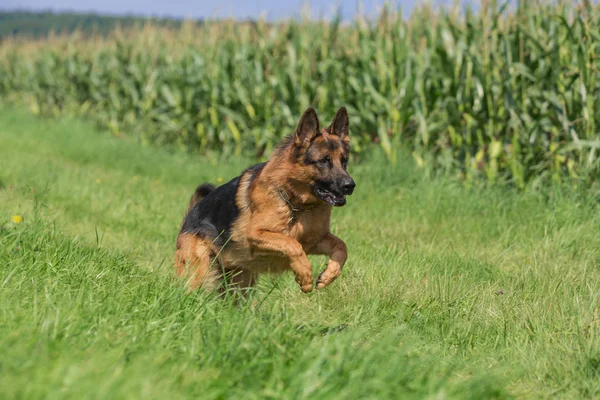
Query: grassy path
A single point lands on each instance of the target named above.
(448, 292)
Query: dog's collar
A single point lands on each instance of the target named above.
(294, 210)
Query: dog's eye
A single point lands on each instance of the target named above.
(325, 161)
(344, 162)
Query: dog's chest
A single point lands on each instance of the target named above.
(307, 230)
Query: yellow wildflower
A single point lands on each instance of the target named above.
(98, 180)
(17, 219)
(219, 179)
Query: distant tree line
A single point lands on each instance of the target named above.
(40, 24)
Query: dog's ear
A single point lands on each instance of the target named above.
(308, 128)
(340, 125)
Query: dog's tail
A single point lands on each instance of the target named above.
(201, 192)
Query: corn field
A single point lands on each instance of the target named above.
(507, 94)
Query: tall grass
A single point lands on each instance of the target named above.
(504, 94)
(456, 294)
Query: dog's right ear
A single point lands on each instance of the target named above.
(307, 129)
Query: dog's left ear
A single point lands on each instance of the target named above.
(340, 125)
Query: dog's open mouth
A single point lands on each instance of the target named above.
(330, 197)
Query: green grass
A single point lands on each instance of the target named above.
(449, 292)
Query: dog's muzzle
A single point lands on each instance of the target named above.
(335, 194)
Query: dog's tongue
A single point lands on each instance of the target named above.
(338, 200)
(333, 198)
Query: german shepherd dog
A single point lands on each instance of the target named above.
(271, 216)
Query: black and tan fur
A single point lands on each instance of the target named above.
(271, 216)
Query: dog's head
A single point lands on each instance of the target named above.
(322, 154)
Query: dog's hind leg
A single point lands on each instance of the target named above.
(238, 281)
(241, 279)
(193, 262)
(335, 248)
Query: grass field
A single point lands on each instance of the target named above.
(449, 292)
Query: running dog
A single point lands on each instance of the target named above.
(271, 216)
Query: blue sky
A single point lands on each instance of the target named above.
(275, 9)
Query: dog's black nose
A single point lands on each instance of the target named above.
(348, 185)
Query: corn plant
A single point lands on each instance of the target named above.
(507, 94)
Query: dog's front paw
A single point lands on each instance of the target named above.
(322, 283)
(326, 278)
(307, 288)
(319, 284)
(305, 283)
